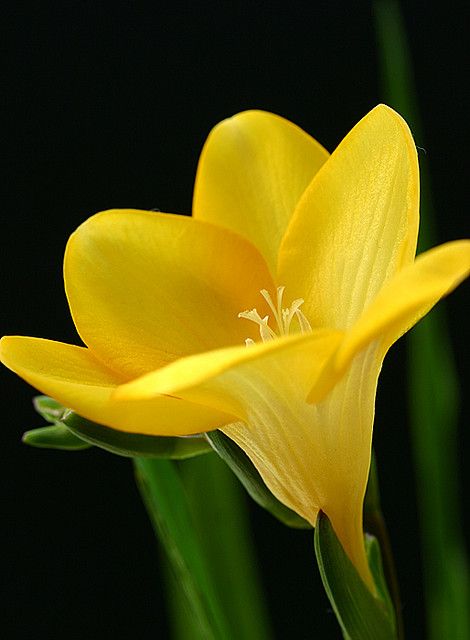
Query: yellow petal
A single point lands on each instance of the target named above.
(347, 418)
(311, 457)
(356, 224)
(408, 297)
(197, 377)
(77, 380)
(146, 288)
(253, 169)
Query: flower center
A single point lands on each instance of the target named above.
(282, 316)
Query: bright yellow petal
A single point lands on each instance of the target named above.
(356, 224)
(347, 418)
(145, 288)
(400, 304)
(311, 457)
(77, 380)
(253, 169)
(197, 377)
(408, 297)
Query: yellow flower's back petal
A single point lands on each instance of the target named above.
(253, 169)
(356, 224)
(408, 297)
(399, 305)
(146, 288)
(77, 380)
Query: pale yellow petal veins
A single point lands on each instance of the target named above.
(253, 169)
(408, 297)
(145, 288)
(356, 224)
(400, 304)
(80, 382)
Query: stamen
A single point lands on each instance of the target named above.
(305, 326)
(283, 317)
(291, 312)
(265, 331)
(276, 312)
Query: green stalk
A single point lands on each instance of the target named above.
(433, 384)
(198, 514)
(219, 506)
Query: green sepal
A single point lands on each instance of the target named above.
(55, 436)
(361, 615)
(119, 442)
(248, 475)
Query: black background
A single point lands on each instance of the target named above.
(108, 105)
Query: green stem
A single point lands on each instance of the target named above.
(433, 383)
(199, 513)
(164, 497)
(218, 503)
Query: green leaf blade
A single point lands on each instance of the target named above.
(361, 615)
(164, 496)
(218, 504)
(433, 380)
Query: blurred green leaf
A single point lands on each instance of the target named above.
(165, 498)
(433, 381)
(218, 504)
(250, 478)
(361, 615)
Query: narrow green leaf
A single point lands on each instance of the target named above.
(433, 381)
(361, 615)
(248, 475)
(119, 442)
(182, 622)
(164, 496)
(218, 504)
(55, 436)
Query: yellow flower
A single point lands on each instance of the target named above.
(309, 258)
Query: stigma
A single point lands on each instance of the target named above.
(282, 318)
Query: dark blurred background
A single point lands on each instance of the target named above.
(108, 105)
